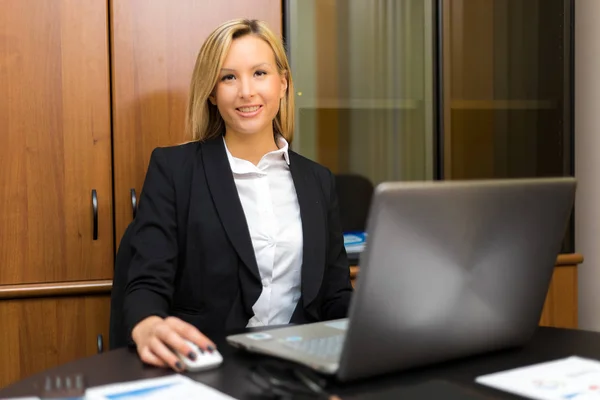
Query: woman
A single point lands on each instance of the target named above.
(234, 229)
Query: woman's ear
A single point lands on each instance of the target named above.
(212, 99)
(284, 84)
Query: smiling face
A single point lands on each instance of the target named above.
(249, 88)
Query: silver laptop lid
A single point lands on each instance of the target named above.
(453, 268)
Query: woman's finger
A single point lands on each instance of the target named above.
(167, 356)
(191, 333)
(169, 336)
(150, 358)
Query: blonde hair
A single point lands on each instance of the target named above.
(203, 119)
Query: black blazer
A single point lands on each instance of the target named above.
(192, 253)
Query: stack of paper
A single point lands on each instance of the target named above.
(169, 387)
(569, 378)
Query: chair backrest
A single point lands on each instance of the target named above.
(118, 331)
(354, 196)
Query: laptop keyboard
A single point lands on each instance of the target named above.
(325, 348)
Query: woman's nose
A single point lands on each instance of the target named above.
(246, 88)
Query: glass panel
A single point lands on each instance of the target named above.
(363, 81)
(507, 89)
(507, 83)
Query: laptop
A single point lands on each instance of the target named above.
(450, 269)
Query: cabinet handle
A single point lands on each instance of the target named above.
(133, 202)
(95, 212)
(100, 343)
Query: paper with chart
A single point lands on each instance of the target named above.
(568, 378)
(168, 387)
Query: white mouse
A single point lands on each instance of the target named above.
(204, 359)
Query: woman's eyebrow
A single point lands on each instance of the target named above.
(253, 67)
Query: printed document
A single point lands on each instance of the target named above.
(569, 378)
(168, 387)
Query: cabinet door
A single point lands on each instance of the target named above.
(55, 143)
(42, 333)
(155, 44)
(507, 105)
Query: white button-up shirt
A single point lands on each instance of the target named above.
(270, 204)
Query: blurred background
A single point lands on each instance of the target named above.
(443, 89)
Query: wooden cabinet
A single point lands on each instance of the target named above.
(38, 333)
(560, 308)
(55, 145)
(55, 148)
(89, 88)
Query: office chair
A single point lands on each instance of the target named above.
(354, 196)
(118, 331)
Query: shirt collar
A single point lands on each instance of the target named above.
(283, 148)
(282, 145)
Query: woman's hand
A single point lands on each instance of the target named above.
(157, 339)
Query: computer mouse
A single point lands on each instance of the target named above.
(204, 359)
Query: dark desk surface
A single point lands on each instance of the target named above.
(231, 377)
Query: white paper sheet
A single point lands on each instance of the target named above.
(170, 387)
(569, 378)
(20, 398)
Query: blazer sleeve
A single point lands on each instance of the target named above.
(337, 286)
(152, 270)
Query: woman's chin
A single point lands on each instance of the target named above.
(253, 130)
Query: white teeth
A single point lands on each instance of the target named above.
(248, 109)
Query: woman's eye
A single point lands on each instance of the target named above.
(227, 77)
(260, 73)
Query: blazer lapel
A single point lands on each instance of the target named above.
(227, 201)
(313, 229)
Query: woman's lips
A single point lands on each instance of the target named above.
(249, 111)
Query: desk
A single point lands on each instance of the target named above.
(231, 377)
(83, 309)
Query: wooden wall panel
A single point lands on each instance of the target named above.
(55, 145)
(154, 48)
